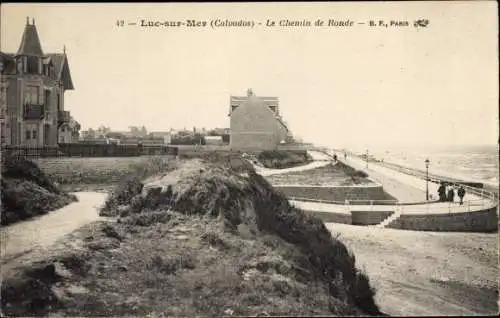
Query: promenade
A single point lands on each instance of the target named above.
(404, 187)
(409, 191)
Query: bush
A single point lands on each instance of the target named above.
(26, 191)
(277, 159)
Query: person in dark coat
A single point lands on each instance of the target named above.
(442, 192)
(335, 158)
(461, 194)
(451, 194)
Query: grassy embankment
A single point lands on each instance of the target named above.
(200, 239)
(337, 174)
(27, 192)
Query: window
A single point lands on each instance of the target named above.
(33, 134)
(63, 129)
(47, 99)
(33, 65)
(28, 134)
(31, 94)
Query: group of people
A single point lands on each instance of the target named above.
(447, 193)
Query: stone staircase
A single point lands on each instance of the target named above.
(390, 219)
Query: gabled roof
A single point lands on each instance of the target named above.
(61, 65)
(30, 42)
(8, 63)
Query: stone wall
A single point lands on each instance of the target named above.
(481, 221)
(373, 192)
(369, 217)
(331, 217)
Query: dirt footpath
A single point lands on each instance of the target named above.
(20, 240)
(427, 273)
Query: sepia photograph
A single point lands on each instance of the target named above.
(238, 159)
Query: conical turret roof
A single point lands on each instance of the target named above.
(30, 42)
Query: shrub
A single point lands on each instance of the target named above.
(26, 191)
(278, 159)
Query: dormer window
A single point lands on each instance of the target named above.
(20, 66)
(33, 65)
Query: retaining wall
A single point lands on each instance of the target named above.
(369, 217)
(78, 170)
(331, 217)
(339, 193)
(481, 221)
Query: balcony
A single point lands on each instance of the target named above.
(34, 111)
(62, 117)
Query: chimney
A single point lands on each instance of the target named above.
(27, 20)
(33, 21)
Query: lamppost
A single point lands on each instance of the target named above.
(427, 162)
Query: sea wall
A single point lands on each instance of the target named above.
(335, 193)
(331, 217)
(369, 217)
(480, 221)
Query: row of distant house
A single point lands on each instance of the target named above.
(217, 136)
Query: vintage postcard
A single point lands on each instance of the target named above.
(249, 159)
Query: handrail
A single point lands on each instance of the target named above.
(346, 202)
(451, 207)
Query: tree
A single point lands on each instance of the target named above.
(103, 130)
(143, 132)
(91, 133)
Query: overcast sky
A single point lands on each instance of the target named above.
(338, 86)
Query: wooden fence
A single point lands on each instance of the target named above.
(88, 150)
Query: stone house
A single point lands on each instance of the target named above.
(32, 93)
(256, 123)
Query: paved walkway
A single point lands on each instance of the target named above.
(320, 160)
(404, 187)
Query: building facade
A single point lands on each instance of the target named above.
(256, 123)
(33, 84)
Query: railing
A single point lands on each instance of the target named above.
(480, 192)
(87, 150)
(34, 111)
(450, 207)
(347, 202)
(424, 207)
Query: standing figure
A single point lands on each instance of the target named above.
(451, 194)
(335, 157)
(442, 192)
(461, 194)
(345, 155)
